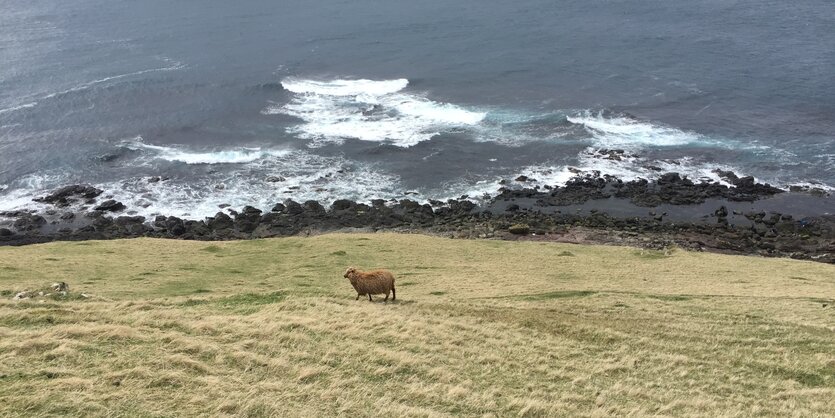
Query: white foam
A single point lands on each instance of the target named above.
(19, 194)
(627, 169)
(305, 177)
(234, 156)
(629, 133)
(376, 111)
(344, 87)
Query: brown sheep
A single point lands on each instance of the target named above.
(375, 282)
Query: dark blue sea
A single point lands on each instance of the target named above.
(256, 101)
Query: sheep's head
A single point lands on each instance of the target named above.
(350, 272)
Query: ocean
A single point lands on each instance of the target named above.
(179, 108)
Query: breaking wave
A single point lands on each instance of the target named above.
(234, 156)
(377, 111)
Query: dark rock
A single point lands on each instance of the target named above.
(314, 207)
(110, 206)
(220, 221)
(275, 179)
(462, 206)
(343, 204)
(5, 232)
(67, 194)
(248, 219)
(293, 207)
(29, 222)
(818, 192)
(728, 176)
(128, 220)
(522, 178)
(279, 207)
(107, 158)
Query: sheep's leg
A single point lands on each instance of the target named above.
(393, 294)
(369, 298)
(358, 297)
(387, 297)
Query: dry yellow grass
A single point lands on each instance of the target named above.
(481, 328)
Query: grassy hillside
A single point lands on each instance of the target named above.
(270, 328)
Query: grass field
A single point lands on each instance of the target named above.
(480, 328)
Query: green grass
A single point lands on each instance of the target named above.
(479, 328)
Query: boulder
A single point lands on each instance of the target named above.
(248, 219)
(314, 207)
(110, 206)
(292, 207)
(343, 204)
(66, 194)
(220, 221)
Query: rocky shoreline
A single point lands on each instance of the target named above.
(745, 218)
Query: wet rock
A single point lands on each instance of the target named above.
(110, 206)
(343, 204)
(275, 179)
(29, 222)
(5, 232)
(461, 206)
(248, 219)
(314, 207)
(107, 158)
(818, 192)
(279, 207)
(728, 176)
(293, 208)
(70, 194)
(220, 221)
(175, 226)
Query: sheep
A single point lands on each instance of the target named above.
(374, 282)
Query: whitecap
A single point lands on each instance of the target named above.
(18, 107)
(344, 87)
(228, 156)
(375, 111)
(303, 176)
(621, 131)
